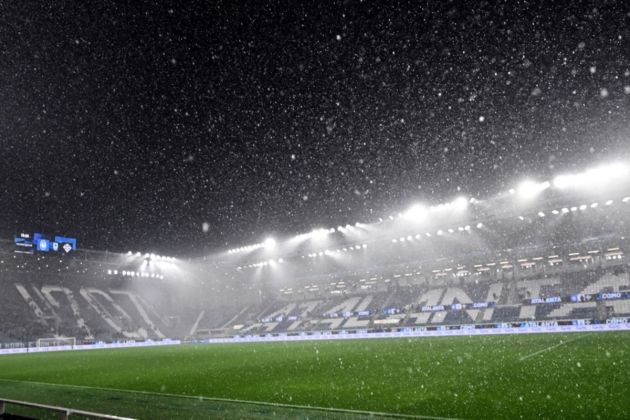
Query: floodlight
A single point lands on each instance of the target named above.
(541, 214)
(529, 189)
(460, 203)
(479, 225)
(269, 243)
(416, 212)
(594, 205)
(319, 233)
(609, 202)
(364, 246)
(583, 207)
(600, 176)
(625, 199)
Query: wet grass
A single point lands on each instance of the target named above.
(531, 376)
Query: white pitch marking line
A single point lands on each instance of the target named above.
(228, 400)
(562, 343)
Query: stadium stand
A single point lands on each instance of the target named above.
(570, 269)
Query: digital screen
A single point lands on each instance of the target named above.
(23, 243)
(26, 244)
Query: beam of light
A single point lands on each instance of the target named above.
(319, 233)
(416, 213)
(528, 189)
(269, 243)
(600, 176)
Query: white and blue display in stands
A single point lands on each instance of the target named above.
(25, 243)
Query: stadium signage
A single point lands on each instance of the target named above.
(26, 243)
(551, 299)
(610, 296)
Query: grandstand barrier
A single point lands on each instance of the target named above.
(529, 327)
(533, 327)
(115, 345)
(64, 413)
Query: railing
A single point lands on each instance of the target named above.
(64, 413)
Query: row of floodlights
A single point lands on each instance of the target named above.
(261, 264)
(268, 243)
(152, 257)
(126, 273)
(528, 189)
(581, 207)
(439, 232)
(592, 178)
(336, 251)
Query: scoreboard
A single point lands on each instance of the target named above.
(25, 243)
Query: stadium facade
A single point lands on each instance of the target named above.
(541, 254)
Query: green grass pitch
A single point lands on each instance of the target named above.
(579, 375)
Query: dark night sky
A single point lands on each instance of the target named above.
(130, 125)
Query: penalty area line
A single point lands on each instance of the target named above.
(555, 346)
(237, 401)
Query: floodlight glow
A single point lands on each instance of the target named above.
(530, 189)
(479, 225)
(609, 202)
(460, 203)
(583, 207)
(364, 246)
(541, 214)
(556, 212)
(319, 233)
(594, 205)
(565, 210)
(599, 176)
(416, 212)
(269, 243)
(625, 199)
(394, 240)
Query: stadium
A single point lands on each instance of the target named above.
(411, 314)
(351, 209)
